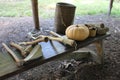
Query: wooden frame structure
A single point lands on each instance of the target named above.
(36, 16)
(50, 51)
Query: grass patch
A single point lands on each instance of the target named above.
(15, 9)
(47, 7)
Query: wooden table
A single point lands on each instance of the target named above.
(50, 52)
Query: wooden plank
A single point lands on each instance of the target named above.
(7, 65)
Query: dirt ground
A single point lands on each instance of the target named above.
(16, 29)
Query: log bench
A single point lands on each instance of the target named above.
(50, 51)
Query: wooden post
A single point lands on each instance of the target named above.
(35, 13)
(100, 50)
(110, 7)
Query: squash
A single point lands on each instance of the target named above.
(77, 32)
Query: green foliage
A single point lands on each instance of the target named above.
(47, 7)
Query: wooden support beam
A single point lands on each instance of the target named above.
(100, 50)
(110, 7)
(35, 13)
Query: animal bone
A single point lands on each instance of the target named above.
(23, 51)
(45, 39)
(55, 34)
(17, 60)
(64, 39)
(20, 48)
(58, 37)
(20, 62)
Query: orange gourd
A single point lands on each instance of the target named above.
(77, 32)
